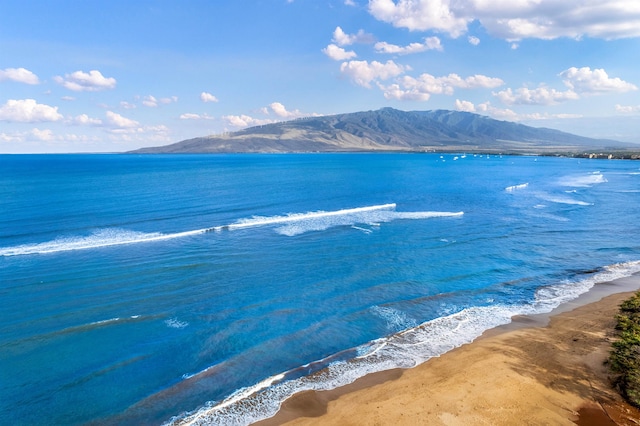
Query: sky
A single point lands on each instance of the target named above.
(116, 75)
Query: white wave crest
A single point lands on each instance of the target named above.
(98, 239)
(516, 187)
(175, 323)
(583, 181)
(292, 224)
(402, 350)
(395, 319)
(373, 217)
(563, 199)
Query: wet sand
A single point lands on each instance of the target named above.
(539, 370)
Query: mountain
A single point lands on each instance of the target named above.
(389, 129)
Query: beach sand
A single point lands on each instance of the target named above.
(539, 370)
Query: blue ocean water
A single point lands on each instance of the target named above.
(154, 289)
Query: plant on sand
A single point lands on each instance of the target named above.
(625, 356)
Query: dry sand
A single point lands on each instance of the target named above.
(543, 370)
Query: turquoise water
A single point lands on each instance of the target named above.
(144, 289)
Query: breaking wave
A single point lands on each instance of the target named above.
(292, 224)
(583, 181)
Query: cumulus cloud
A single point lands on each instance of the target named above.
(84, 119)
(245, 120)
(338, 53)
(363, 72)
(420, 15)
(515, 19)
(20, 75)
(127, 105)
(343, 39)
(464, 106)
(430, 43)
(207, 97)
(538, 96)
(81, 81)
(486, 108)
(585, 80)
(116, 120)
(28, 111)
(422, 87)
(473, 40)
(579, 82)
(42, 135)
(275, 108)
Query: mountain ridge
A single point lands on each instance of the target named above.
(389, 129)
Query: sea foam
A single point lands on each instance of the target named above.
(291, 224)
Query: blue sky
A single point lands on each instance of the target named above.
(109, 76)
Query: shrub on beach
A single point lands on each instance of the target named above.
(625, 356)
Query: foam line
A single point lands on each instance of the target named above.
(291, 224)
(99, 239)
(275, 220)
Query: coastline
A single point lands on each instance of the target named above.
(539, 369)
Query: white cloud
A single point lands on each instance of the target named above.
(421, 88)
(153, 102)
(504, 114)
(280, 110)
(20, 75)
(363, 72)
(473, 40)
(343, 39)
(538, 96)
(420, 15)
(276, 108)
(507, 114)
(579, 82)
(430, 43)
(80, 81)
(628, 109)
(116, 120)
(338, 53)
(127, 105)
(68, 98)
(207, 97)
(8, 137)
(585, 80)
(245, 120)
(349, 2)
(515, 20)
(42, 135)
(28, 111)
(84, 119)
(192, 116)
(464, 106)
(150, 101)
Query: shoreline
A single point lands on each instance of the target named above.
(545, 369)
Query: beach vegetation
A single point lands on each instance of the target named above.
(624, 360)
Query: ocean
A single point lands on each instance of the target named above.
(168, 289)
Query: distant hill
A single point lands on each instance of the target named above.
(389, 129)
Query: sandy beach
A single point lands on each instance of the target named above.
(540, 370)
